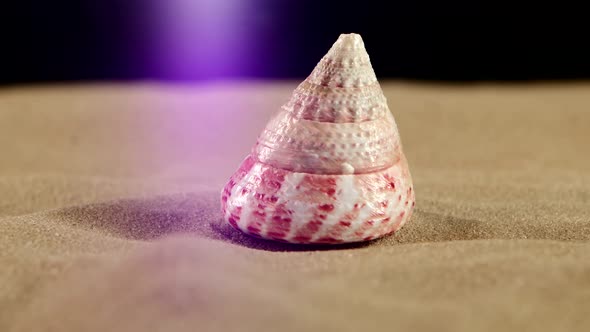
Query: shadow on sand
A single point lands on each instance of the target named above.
(152, 218)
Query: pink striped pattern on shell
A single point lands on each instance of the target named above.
(329, 167)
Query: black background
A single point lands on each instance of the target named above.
(65, 40)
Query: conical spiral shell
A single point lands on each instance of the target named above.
(329, 166)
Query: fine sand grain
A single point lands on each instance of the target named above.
(109, 215)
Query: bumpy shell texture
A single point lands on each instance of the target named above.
(329, 167)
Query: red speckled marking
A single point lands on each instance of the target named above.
(271, 180)
(348, 219)
(238, 211)
(308, 230)
(389, 181)
(302, 239)
(280, 223)
(364, 227)
(254, 230)
(255, 224)
(317, 186)
(256, 220)
(327, 207)
(269, 217)
(337, 231)
(328, 239)
(260, 214)
(244, 169)
(387, 227)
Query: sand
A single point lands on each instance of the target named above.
(109, 214)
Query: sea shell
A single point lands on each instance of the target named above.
(329, 167)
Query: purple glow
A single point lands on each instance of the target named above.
(210, 127)
(203, 38)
